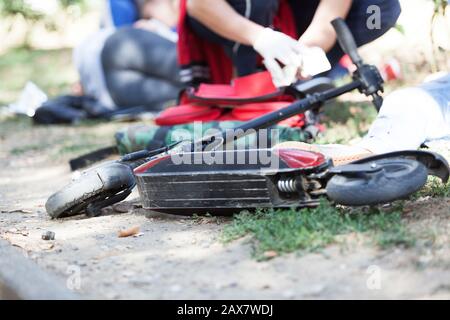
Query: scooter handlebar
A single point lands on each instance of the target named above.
(347, 41)
(369, 76)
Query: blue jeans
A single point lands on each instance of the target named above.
(262, 12)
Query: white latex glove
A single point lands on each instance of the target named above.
(277, 47)
(313, 61)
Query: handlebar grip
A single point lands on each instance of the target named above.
(347, 41)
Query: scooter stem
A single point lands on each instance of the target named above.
(298, 107)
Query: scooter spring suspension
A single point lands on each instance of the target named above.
(287, 185)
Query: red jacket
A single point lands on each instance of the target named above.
(202, 61)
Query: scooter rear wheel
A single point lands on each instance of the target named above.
(397, 179)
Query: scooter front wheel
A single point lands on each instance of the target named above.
(394, 179)
(93, 190)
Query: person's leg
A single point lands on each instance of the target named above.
(87, 59)
(401, 123)
(140, 68)
(129, 89)
(244, 57)
(410, 118)
(144, 51)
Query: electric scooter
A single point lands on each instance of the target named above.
(300, 178)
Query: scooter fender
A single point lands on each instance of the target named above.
(435, 163)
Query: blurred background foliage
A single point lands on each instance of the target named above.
(35, 10)
(39, 12)
(32, 9)
(38, 36)
(37, 40)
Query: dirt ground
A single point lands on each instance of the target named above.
(182, 258)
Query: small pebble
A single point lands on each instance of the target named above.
(49, 235)
(128, 274)
(123, 207)
(141, 234)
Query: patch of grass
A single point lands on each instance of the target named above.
(434, 188)
(19, 137)
(11, 125)
(51, 70)
(396, 235)
(28, 148)
(346, 121)
(81, 144)
(79, 148)
(285, 231)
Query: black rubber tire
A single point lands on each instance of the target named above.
(74, 198)
(398, 180)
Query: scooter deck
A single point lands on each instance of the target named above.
(227, 188)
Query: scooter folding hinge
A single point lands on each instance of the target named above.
(316, 98)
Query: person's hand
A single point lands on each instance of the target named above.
(314, 61)
(275, 48)
(298, 60)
